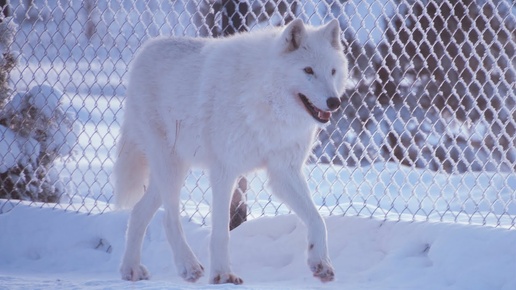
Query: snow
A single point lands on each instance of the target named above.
(48, 248)
(46, 99)
(9, 149)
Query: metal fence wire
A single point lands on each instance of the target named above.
(426, 130)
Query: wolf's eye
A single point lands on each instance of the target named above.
(333, 71)
(308, 70)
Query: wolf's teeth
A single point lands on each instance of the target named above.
(324, 115)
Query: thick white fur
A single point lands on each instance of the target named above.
(230, 106)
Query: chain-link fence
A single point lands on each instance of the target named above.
(426, 130)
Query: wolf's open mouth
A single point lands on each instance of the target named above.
(319, 115)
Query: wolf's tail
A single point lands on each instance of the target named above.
(130, 174)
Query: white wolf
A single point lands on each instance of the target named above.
(230, 105)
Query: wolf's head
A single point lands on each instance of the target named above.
(317, 67)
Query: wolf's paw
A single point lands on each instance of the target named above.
(192, 273)
(226, 278)
(134, 272)
(323, 271)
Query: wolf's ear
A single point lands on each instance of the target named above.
(332, 33)
(293, 35)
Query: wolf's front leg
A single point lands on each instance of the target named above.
(290, 185)
(222, 188)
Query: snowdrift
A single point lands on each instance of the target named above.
(46, 248)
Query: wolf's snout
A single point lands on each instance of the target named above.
(333, 103)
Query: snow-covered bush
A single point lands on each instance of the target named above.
(34, 132)
(7, 59)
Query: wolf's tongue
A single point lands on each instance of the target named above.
(324, 115)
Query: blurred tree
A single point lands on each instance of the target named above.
(234, 15)
(5, 10)
(456, 44)
(226, 17)
(437, 93)
(450, 56)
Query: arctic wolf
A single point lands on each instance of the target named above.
(231, 105)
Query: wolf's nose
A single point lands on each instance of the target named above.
(333, 103)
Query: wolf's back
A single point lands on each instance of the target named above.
(158, 63)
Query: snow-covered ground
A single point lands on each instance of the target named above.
(54, 249)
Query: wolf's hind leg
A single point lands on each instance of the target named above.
(170, 176)
(141, 215)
